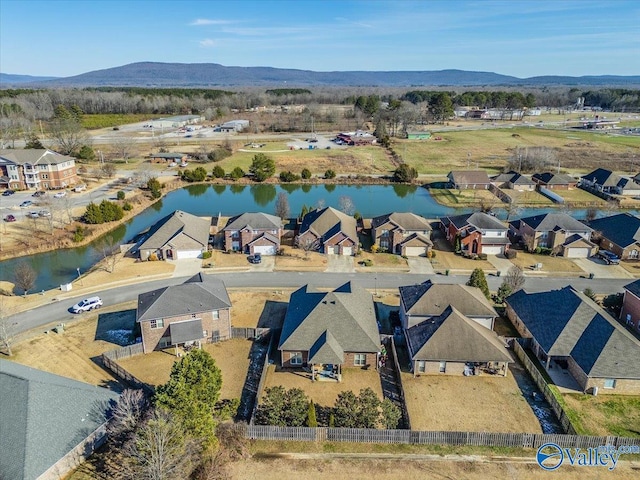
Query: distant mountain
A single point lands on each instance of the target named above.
(8, 79)
(155, 74)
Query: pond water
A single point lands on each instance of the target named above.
(60, 266)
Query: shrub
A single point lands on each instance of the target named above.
(127, 207)
(262, 167)
(218, 154)
(367, 262)
(237, 173)
(329, 174)
(288, 176)
(105, 212)
(433, 253)
(482, 256)
(511, 254)
(405, 174)
(375, 248)
(218, 172)
(199, 174)
(120, 195)
(306, 173)
(207, 254)
(79, 234)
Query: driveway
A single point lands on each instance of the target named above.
(601, 269)
(420, 265)
(500, 262)
(186, 267)
(340, 264)
(266, 265)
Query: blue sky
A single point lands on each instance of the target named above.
(517, 37)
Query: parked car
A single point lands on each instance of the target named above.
(44, 213)
(38, 193)
(26, 203)
(87, 304)
(255, 258)
(184, 164)
(60, 194)
(80, 188)
(6, 193)
(34, 215)
(609, 257)
(173, 164)
(9, 218)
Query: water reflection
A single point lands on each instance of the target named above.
(263, 194)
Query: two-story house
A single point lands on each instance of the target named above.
(606, 181)
(477, 233)
(329, 231)
(253, 233)
(619, 234)
(563, 234)
(36, 169)
(630, 313)
(403, 233)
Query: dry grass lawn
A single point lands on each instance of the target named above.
(550, 264)
(631, 266)
(258, 308)
(296, 259)
(579, 197)
(477, 404)
(463, 198)
(381, 262)
(607, 414)
(325, 393)
(450, 261)
(221, 259)
(231, 356)
(528, 198)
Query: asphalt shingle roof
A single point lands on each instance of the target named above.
(200, 293)
(634, 287)
(622, 229)
(404, 220)
(479, 220)
(171, 228)
(254, 221)
(34, 156)
(469, 177)
(550, 178)
(328, 222)
(326, 350)
(186, 331)
(549, 221)
(43, 416)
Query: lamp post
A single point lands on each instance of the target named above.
(79, 277)
(376, 285)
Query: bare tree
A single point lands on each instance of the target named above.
(515, 278)
(108, 169)
(308, 244)
(592, 213)
(7, 327)
(68, 135)
(128, 412)
(25, 277)
(109, 252)
(123, 148)
(282, 206)
(346, 205)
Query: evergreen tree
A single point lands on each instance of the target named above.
(306, 173)
(311, 416)
(218, 172)
(479, 280)
(262, 167)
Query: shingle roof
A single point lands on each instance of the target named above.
(566, 323)
(186, 331)
(622, 229)
(475, 177)
(347, 313)
(453, 337)
(416, 238)
(404, 220)
(200, 293)
(634, 287)
(554, 178)
(328, 222)
(43, 416)
(431, 299)
(34, 156)
(254, 221)
(173, 226)
(607, 178)
(326, 350)
(513, 177)
(480, 220)
(549, 221)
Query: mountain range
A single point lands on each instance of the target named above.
(156, 74)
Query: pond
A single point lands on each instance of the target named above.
(61, 266)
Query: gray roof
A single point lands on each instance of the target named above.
(566, 323)
(328, 222)
(479, 220)
(186, 331)
(455, 338)
(174, 226)
(416, 237)
(513, 177)
(404, 220)
(552, 221)
(347, 313)
(607, 178)
(254, 221)
(168, 155)
(623, 229)
(432, 299)
(550, 178)
(44, 416)
(475, 177)
(326, 350)
(34, 156)
(634, 287)
(200, 293)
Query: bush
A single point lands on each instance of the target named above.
(218, 172)
(120, 195)
(105, 212)
(511, 254)
(329, 174)
(218, 154)
(306, 173)
(288, 176)
(199, 174)
(79, 234)
(127, 207)
(482, 256)
(432, 253)
(405, 174)
(367, 262)
(207, 254)
(237, 173)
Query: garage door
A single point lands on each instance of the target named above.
(182, 254)
(330, 249)
(578, 252)
(491, 250)
(265, 249)
(347, 250)
(415, 251)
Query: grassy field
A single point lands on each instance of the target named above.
(296, 259)
(607, 414)
(526, 260)
(533, 199)
(579, 197)
(464, 198)
(385, 261)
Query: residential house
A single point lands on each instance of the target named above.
(177, 236)
(36, 169)
(50, 424)
(630, 313)
(608, 182)
(402, 233)
(452, 344)
(569, 330)
(167, 157)
(426, 301)
(330, 330)
(478, 233)
(563, 234)
(253, 233)
(469, 179)
(514, 181)
(554, 181)
(619, 234)
(194, 312)
(330, 231)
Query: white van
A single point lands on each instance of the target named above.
(87, 304)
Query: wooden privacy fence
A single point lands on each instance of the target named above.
(124, 352)
(249, 333)
(263, 374)
(396, 365)
(414, 437)
(110, 361)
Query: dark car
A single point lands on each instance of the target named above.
(38, 194)
(609, 257)
(26, 203)
(6, 193)
(9, 218)
(255, 258)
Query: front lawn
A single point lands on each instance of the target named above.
(550, 264)
(382, 261)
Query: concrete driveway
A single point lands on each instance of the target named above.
(186, 267)
(266, 265)
(500, 262)
(420, 265)
(600, 269)
(340, 263)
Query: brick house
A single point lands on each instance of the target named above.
(253, 233)
(514, 181)
(570, 331)
(478, 233)
(330, 330)
(606, 181)
(194, 312)
(36, 169)
(630, 313)
(329, 231)
(177, 236)
(619, 234)
(402, 233)
(554, 181)
(469, 179)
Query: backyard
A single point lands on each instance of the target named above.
(606, 414)
(464, 198)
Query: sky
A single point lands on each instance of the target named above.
(516, 37)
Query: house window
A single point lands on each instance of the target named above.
(204, 334)
(157, 323)
(360, 359)
(609, 383)
(164, 342)
(216, 314)
(45, 176)
(295, 358)
(421, 366)
(443, 367)
(629, 319)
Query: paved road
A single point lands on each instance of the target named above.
(58, 311)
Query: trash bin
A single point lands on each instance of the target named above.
(591, 275)
(498, 273)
